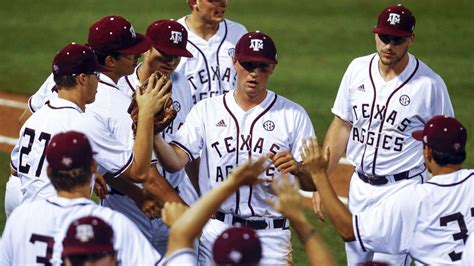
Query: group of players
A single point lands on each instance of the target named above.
(233, 153)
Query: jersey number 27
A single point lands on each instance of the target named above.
(24, 151)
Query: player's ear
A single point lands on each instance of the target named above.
(411, 40)
(234, 61)
(110, 61)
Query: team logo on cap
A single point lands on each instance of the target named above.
(404, 100)
(269, 125)
(84, 232)
(132, 31)
(176, 37)
(55, 68)
(256, 44)
(394, 18)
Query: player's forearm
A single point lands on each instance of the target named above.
(337, 211)
(336, 139)
(142, 148)
(125, 187)
(171, 158)
(316, 250)
(160, 188)
(190, 224)
(192, 170)
(306, 182)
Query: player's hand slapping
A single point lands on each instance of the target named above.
(248, 173)
(149, 205)
(152, 98)
(314, 161)
(100, 186)
(290, 202)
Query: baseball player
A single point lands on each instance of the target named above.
(228, 130)
(70, 168)
(431, 221)
(169, 40)
(76, 71)
(89, 240)
(212, 40)
(382, 99)
(186, 225)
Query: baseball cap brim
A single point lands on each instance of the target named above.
(142, 45)
(173, 51)
(418, 135)
(88, 249)
(392, 32)
(258, 59)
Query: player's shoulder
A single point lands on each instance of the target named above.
(282, 101)
(235, 27)
(427, 74)
(362, 61)
(26, 209)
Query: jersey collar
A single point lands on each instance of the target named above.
(60, 103)
(65, 202)
(106, 80)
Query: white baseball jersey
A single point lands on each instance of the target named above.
(43, 94)
(228, 136)
(468, 253)
(34, 241)
(28, 157)
(383, 114)
(108, 126)
(210, 71)
(429, 221)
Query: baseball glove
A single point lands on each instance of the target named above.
(161, 120)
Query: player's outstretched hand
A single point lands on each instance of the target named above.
(285, 162)
(152, 98)
(314, 161)
(172, 211)
(247, 173)
(290, 202)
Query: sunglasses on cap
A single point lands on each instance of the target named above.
(395, 40)
(251, 66)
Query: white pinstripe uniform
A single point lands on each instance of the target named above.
(210, 71)
(384, 147)
(224, 136)
(27, 242)
(155, 230)
(468, 254)
(430, 221)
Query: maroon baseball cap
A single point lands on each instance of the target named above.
(69, 150)
(170, 37)
(75, 59)
(395, 20)
(116, 34)
(443, 134)
(237, 245)
(88, 235)
(256, 47)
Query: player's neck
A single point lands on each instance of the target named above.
(201, 28)
(72, 95)
(78, 192)
(246, 101)
(444, 170)
(114, 77)
(388, 72)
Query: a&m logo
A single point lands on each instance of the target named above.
(84, 232)
(132, 31)
(256, 44)
(393, 18)
(404, 100)
(176, 37)
(269, 125)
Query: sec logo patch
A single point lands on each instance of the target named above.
(176, 105)
(404, 100)
(268, 125)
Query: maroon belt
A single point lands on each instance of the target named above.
(382, 180)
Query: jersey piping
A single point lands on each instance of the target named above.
(452, 184)
(108, 84)
(119, 172)
(385, 111)
(250, 150)
(237, 193)
(358, 234)
(217, 57)
(58, 108)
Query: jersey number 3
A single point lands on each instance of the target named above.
(49, 247)
(24, 151)
(461, 235)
